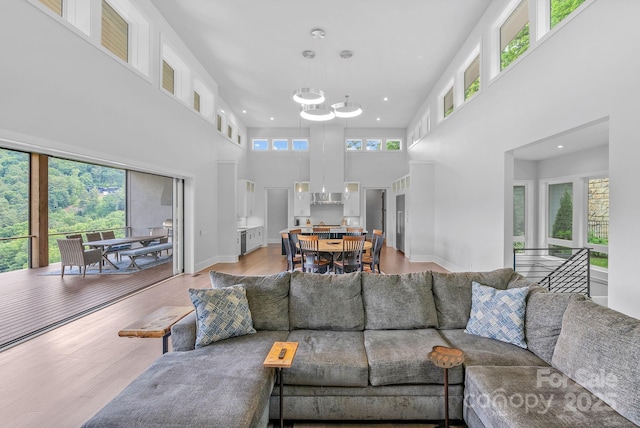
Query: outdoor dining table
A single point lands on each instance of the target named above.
(106, 244)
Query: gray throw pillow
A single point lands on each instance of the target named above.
(326, 302)
(268, 297)
(220, 314)
(452, 294)
(398, 302)
(543, 321)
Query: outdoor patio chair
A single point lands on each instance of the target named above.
(73, 254)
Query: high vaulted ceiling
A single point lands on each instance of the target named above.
(253, 49)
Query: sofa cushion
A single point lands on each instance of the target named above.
(326, 302)
(481, 351)
(600, 349)
(399, 357)
(221, 313)
(268, 297)
(398, 301)
(498, 314)
(452, 293)
(524, 397)
(207, 387)
(328, 358)
(543, 320)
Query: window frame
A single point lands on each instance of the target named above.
(517, 6)
(139, 34)
(375, 141)
(276, 140)
(183, 89)
(357, 147)
(448, 93)
(293, 145)
(253, 144)
(474, 58)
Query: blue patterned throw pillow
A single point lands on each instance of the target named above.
(498, 314)
(221, 313)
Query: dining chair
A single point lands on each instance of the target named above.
(93, 236)
(73, 254)
(311, 255)
(292, 258)
(354, 231)
(351, 254)
(369, 263)
(293, 237)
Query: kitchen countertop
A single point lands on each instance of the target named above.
(244, 228)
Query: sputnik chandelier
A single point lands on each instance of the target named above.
(312, 101)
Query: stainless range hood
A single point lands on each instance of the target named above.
(326, 198)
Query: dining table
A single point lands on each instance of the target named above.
(106, 244)
(335, 245)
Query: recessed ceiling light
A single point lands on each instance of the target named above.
(378, 119)
(221, 111)
(386, 98)
(271, 118)
(244, 111)
(561, 147)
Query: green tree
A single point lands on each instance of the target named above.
(515, 48)
(563, 223)
(560, 9)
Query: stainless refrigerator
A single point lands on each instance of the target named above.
(400, 223)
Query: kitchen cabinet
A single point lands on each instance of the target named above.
(254, 238)
(246, 198)
(301, 199)
(351, 200)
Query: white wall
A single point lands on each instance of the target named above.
(579, 73)
(282, 169)
(64, 95)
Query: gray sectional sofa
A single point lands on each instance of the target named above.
(362, 355)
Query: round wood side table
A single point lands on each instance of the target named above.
(445, 357)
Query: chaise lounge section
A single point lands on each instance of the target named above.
(362, 355)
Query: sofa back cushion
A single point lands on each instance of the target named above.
(543, 320)
(398, 302)
(600, 348)
(452, 294)
(326, 302)
(268, 297)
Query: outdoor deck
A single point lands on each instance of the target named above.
(33, 302)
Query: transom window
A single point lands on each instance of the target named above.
(300, 144)
(115, 32)
(219, 122)
(472, 78)
(280, 144)
(168, 77)
(514, 35)
(54, 5)
(374, 144)
(393, 144)
(260, 144)
(560, 9)
(354, 144)
(447, 102)
(196, 101)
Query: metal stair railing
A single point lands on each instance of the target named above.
(560, 270)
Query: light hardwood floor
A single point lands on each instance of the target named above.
(61, 378)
